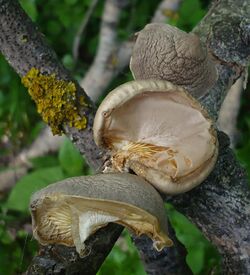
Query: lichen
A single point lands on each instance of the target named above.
(55, 100)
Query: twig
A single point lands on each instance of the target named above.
(227, 120)
(95, 78)
(82, 27)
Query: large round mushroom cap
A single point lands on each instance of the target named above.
(68, 212)
(164, 52)
(160, 132)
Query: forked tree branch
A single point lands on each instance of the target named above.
(220, 206)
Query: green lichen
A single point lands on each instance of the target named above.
(55, 100)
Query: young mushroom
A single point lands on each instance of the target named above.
(160, 132)
(68, 212)
(165, 52)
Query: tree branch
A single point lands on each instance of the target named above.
(25, 48)
(220, 208)
(97, 76)
(169, 261)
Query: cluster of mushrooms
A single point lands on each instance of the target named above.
(152, 126)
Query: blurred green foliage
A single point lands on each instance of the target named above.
(19, 125)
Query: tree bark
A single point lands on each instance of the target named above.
(220, 206)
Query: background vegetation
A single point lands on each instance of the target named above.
(20, 124)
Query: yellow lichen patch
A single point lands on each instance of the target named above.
(55, 99)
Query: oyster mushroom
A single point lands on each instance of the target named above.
(68, 212)
(160, 132)
(165, 52)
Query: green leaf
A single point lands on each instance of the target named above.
(20, 195)
(30, 7)
(202, 256)
(45, 161)
(70, 159)
(124, 260)
(196, 258)
(190, 13)
(68, 61)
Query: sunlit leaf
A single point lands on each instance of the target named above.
(20, 194)
(30, 7)
(70, 159)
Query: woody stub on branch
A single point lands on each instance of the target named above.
(219, 205)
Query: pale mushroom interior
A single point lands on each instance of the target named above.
(163, 130)
(70, 220)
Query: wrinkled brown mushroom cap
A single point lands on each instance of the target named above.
(165, 52)
(160, 132)
(69, 211)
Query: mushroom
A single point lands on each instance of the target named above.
(160, 132)
(165, 52)
(68, 212)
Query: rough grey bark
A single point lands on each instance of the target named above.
(226, 31)
(220, 207)
(224, 194)
(57, 259)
